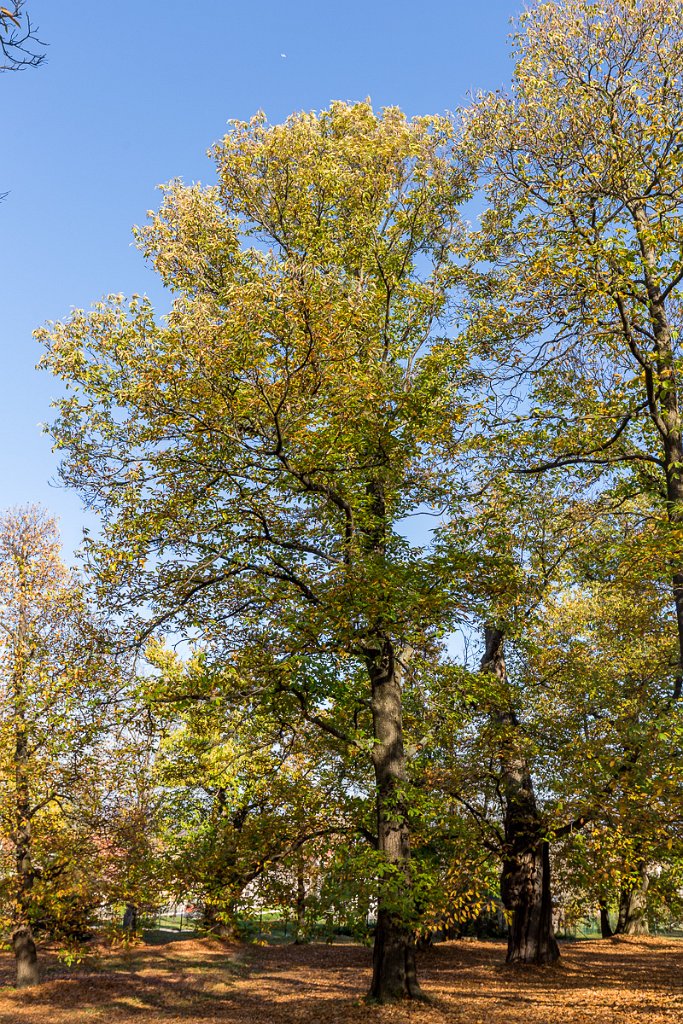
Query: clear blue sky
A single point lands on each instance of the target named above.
(133, 94)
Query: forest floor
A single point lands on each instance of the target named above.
(623, 981)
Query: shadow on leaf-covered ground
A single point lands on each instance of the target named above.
(629, 981)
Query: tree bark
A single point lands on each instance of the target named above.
(633, 906)
(25, 955)
(525, 877)
(525, 891)
(130, 917)
(622, 916)
(660, 368)
(23, 944)
(394, 974)
(300, 901)
(605, 927)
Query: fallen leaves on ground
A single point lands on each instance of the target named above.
(626, 981)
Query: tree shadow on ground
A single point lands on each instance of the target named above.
(206, 981)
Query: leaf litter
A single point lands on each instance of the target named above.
(625, 981)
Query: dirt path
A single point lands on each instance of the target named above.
(625, 981)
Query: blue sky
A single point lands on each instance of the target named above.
(133, 94)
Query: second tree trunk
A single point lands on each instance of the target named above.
(525, 876)
(394, 975)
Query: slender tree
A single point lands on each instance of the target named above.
(53, 690)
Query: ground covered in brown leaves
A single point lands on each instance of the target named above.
(627, 981)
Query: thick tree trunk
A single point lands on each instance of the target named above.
(219, 922)
(394, 975)
(23, 944)
(633, 906)
(605, 927)
(525, 891)
(25, 955)
(525, 877)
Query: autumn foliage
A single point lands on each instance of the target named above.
(381, 629)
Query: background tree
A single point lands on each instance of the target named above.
(583, 170)
(244, 792)
(130, 869)
(568, 722)
(56, 683)
(523, 539)
(606, 649)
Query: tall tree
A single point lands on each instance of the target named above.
(523, 538)
(571, 735)
(255, 457)
(585, 234)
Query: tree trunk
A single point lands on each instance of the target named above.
(23, 944)
(662, 388)
(300, 901)
(394, 972)
(394, 975)
(525, 877)
(525, 891)
(130, 917)
(673, 454)
(25, 956)
(218, 921)
(633, 906)
(605, 927)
